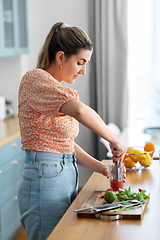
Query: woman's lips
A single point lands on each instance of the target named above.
(75, 76)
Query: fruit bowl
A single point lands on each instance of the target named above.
(138, 158)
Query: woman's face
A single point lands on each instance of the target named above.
(74, 66)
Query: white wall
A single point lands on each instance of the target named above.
(41, 16)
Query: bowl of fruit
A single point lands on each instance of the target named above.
(139, 157)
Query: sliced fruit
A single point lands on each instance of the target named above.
(109, 189)
(120, 190)
(102, 194)
(140, 189)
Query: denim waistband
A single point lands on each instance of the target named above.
(37, 156)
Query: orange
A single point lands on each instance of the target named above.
(149, 147)
(129, 163)
(109, 196)
(129, 150)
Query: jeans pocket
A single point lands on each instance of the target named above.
(24, 195)
(52, 169)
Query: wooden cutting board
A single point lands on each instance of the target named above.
(95, 200)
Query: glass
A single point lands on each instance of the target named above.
(116, 172)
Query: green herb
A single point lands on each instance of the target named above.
(127, 195)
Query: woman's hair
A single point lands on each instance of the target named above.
(61, 37)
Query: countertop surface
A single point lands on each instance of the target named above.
(71, 227)
(9, 130)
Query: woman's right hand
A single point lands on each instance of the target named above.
(118, 150)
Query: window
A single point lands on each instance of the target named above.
(144, 62)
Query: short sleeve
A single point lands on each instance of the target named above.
(43, 94)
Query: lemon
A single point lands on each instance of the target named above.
(109, 196)
(145, 160)
(129, 163)
(136, 158)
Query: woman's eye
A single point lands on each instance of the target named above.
(80, 63)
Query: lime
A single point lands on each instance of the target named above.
(109, 196)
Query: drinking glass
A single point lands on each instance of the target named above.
(116, 175)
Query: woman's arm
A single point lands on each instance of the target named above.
(85, 160)
(89, 118)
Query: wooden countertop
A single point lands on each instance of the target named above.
(9, 130)
(70, 227)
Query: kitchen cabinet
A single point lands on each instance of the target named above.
(13, 28)
(11, 167)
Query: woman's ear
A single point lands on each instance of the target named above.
(60, 57)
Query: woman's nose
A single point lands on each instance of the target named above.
(83, 70)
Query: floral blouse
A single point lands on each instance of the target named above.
(43, 127)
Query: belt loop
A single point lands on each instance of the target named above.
(34, 156)
(74, 158)
(64, 159)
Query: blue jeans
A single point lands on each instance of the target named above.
(48, 187)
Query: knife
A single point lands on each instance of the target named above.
(108, 207)
(101, 208)
(104, 208)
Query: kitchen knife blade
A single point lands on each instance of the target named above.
(107, 207)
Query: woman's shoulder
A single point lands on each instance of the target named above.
(35, 72)
(41, 78)
(37, 76)
(71, 91)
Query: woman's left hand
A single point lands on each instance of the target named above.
(124, 174)
(105, 170)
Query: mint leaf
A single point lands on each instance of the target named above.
(128, 192)
(133, 196)
(140, 198)
(143, 192)
(144, 195)
(122, 193)
(127, 195)
(120, 198)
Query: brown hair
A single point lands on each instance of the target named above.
(62, 38)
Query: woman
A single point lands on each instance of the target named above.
(48, 116)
